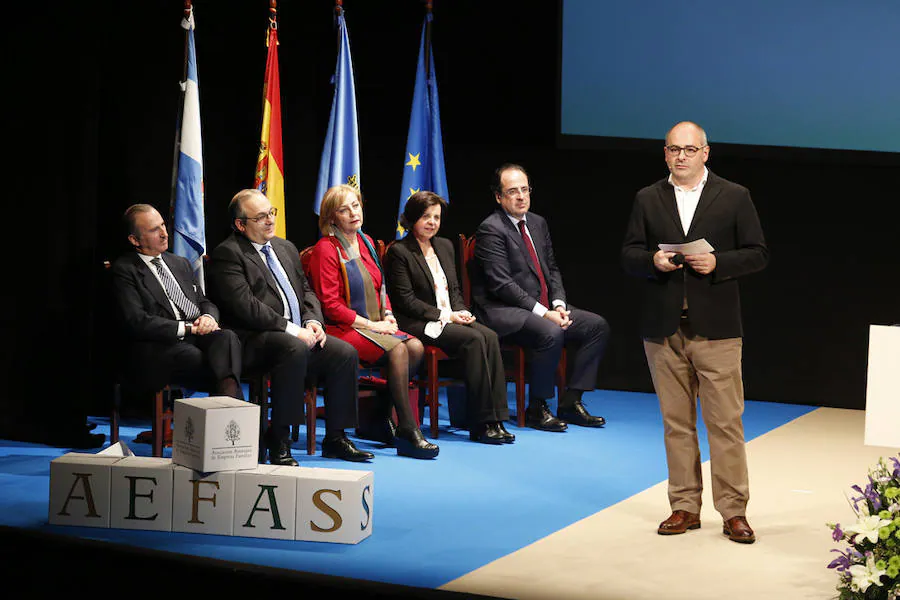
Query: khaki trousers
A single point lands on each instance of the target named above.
(684, 366)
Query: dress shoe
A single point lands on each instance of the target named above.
(538, 416)
(738, 530)
(280, 453)
(341, 447)
(508, 438)
(383, 431)
(486, 433)
(679, 522)
(413, 444)
(577, 414)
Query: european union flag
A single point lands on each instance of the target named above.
(340, 157)
(424, 160)
(189, 240)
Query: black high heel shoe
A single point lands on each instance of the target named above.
(413, 444)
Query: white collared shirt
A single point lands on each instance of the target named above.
(538, 308)
(291, 327)
(686, 200)
(147, 260)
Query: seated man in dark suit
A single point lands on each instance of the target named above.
(517, 291)
(172, 328)
(259, 282)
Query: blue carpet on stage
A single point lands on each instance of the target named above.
(433, 521)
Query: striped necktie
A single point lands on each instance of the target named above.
(189, 310)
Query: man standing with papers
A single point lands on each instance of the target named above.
(691, 322)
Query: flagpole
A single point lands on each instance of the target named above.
(187, 15)
(338, 11)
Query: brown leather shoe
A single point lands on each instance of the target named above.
(738, 530)
(679, 522)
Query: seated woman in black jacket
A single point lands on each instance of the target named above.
(426, 300)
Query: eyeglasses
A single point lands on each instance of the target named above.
(272, 212)
(689, 151)
(522, 191)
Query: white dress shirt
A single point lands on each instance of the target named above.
(291, 327)
(687, 199)
(147, 260)
(538, 308)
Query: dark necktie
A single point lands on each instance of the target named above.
(537, 265)
(189, 310)
(286, 286)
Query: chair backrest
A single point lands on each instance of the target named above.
(466, 252)
(305, 256)
(383, 248)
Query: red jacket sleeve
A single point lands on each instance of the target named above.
(325, 273)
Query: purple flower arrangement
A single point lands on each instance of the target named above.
(868, 567)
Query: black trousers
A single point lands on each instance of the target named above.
(289, 362)
(197, 361)
(478, 349)
(587, 335)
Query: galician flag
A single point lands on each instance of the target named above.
(190, 229)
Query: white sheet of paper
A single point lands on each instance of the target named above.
(700, 246)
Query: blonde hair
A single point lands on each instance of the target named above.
(330, 203)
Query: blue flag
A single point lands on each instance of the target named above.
(340, 156)
(189, 239)
(423, 163)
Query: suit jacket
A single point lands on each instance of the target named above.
(411, 286)
(505, 284)
(726, 217)
(144, 308)
(246, 291)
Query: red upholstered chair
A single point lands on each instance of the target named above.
(516, 371)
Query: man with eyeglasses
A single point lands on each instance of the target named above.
(691, 323)
(258, 281)
(172, 329)
(517, 290)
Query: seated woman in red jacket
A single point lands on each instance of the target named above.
(347, 277)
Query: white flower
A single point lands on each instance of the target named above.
(865, 575)
(868, 527)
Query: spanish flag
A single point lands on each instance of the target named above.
(270, 165)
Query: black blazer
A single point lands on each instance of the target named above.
(726, 217)
(505, 284)
(144, 308)
(246, 291)
(411, 286)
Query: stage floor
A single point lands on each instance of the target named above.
(570, 515)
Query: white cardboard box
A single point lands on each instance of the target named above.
(140, 495)
(217, 433)
(265, 503)
(883, 387)
(79, 489)
(203, 502)
(333, 505)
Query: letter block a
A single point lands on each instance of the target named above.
(203, 502)
(334, 505)
(140, 493)
(79, 489)
(265, 503)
